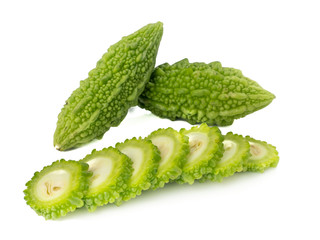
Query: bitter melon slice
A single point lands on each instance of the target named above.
(235, 156)
(206, 149)
(174, 148)
(111, 171)
(58, 189)
(145, 157)
(103, 99)
(202, 93)
(263, 155)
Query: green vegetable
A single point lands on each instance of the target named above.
(103, 99)
(111, 171)
(174, 148)
(263, 156)
(206, 149)
(202, 93)
(235, 156)
(145, 157)
(58, 189)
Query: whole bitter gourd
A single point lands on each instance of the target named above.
(202, 93)
(103, 99)
(58, 189)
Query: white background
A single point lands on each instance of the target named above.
(47, 47)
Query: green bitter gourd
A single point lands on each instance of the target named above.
(202, 93)
(174, 148)
(263, 155)
(58, 189)
(103, 99)
(111, 171)
(235, 156)
(206, 149)
(145, 157)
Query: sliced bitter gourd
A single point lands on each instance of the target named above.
(58, 189)
(174, 148)
(206, 149)
(103, 99)
(145, 157)
(236, 153)
(111, 171)
(263, 156)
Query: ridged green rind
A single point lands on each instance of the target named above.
(69, 201)
(115, 184)
(236, 163)
(202, 93)
(103, 99)
(270, 159)
(146, 174)
(205, 163)
(172, 168)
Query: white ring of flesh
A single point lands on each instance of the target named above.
(136, 155)
(53, 185)
(230, 149)
(101, 167)
(257, 151)
(165, 146)
(198, 143)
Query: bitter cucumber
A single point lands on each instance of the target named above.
(206, 149)
(103, 99)
(111, 171)
(234, 159)
(58, 189)
(174, 148)
(263, 155)
(145, 157)
(202, 93)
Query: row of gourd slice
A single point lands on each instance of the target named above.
(117, 174)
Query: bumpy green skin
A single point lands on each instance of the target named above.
(172, 169)
(202, 93)
(146, 175)
(117, 183)
(270, 159)
(69, 201)
(103, 99)
(237, 163)
(206, 162)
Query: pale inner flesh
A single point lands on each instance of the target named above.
(136, 155)
(198, 142)
(257, 151)
(230, 148)
(165, 146)
(53, 185)
(101, 167)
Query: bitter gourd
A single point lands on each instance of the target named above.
(103, 99)
(174, 148)
(111, 171)
(263, 155)
(145, 157)
(202, 93)
(206, 149)
(235, 156)
(58, 189)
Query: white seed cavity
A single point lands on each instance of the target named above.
(53, 185)
(165, 146)
(198, 142)
(136, 155)
(101, 167)
(230, 148)
(257, 151)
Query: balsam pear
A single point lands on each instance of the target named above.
(174, 148)
(234, 159)
(103, 99)
(202, 93)
(111, 171)
(145, 157)
(206, 149)
(58, 189)
(263, 155)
